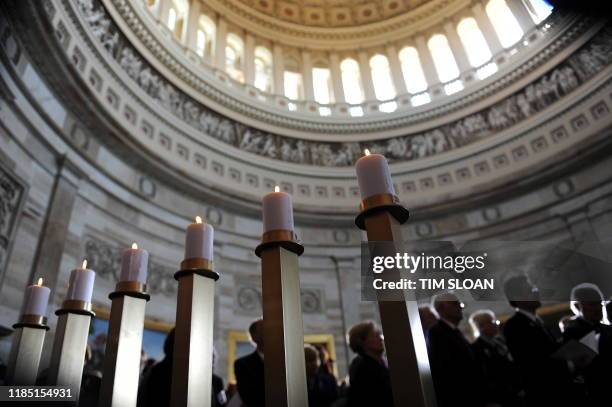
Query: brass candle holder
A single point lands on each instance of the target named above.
(381, 216)
(28, 341)
(70, 344)
(193, 343)
(285, 370)
(123, 345)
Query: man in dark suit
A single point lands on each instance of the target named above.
(587, 304)
(547, 380)
(492, 353)
(457, 376)
(249, 370)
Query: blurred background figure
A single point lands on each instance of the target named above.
(491, 351)
(370, 384)
(457, 375)
(322, 387)
(547, 380)
(249, 370)
(563, 322)
(90, 383)
(588, 306)
(428, 318)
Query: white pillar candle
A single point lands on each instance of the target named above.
(36, 299)
(373, 175)
(277, 211)
(134, 264)
(81, 283)
(199, 240)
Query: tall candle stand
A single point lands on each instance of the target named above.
(24, 360)
(123, 345)
(285, 370)
(70, 343)
(381, 216)
(193, 343)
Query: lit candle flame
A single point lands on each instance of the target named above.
(198, 219)
(84, 266)
(134, 246)
(40, 281)
(367, 152)
(277, 189)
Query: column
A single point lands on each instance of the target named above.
(162, 12)
(521, 14)
(336, 76)
(487, 29)
(220, 40)
(279, 69)
(456, 46)
(366, 76)
(307, 76)
(249, 60)
(429, 69)
(349, 283)
(193, 22)
(54, 233)
(396, 70)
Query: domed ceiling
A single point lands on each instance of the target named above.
(332, 13)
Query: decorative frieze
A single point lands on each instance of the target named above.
(12, 195)
(578, 68)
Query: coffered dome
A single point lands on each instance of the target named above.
(332, 13)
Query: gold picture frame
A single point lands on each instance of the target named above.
(234, 338)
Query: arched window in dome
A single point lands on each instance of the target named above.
(292, 81)
(177, 15)
(443, 58)
(475, 45)
(383, 82)
(538, 9)
(351, 84)
(322, 88)
(263, 69)
(234, 57)
(507, 28)
(205, 36)
(412, 70)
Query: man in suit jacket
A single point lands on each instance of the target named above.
(547, 380)
(493, 355)
(457, 376)
(249, 370)
(587, 304)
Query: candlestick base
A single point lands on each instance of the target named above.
(283, 238)
(381, 203)
(193, 340)
(408, 368)
(121, 369)
(28, 341)
(285, 376)
(69, 345)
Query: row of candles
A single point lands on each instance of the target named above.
(372, 175)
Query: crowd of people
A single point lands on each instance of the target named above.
(518, 363)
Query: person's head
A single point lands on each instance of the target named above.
(484, 323)
(256, 333)
(169, 344)
(563, 321)
(428, 317)
(587, 302)
(366, 338)
(448, 307)
(312, 360)
(522, 294)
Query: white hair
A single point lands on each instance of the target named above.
(580, 289)
(477, 318)
(443, 297)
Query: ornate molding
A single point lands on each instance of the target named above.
(551, 87)
(12, 197)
